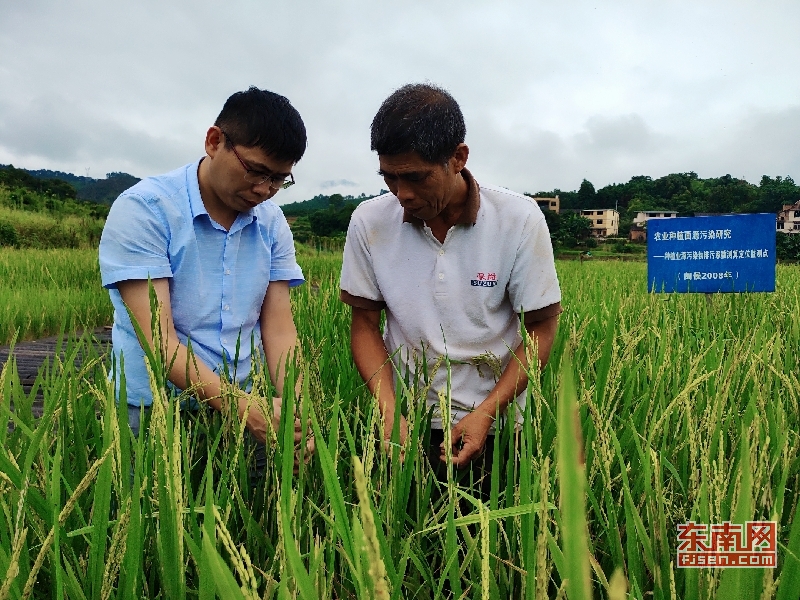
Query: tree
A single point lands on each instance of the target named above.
(730, 195)
(553, 220)
(331, 222)
(773, 194)
(8, 234)
(336, 201)
(573, 228)
(787, 246)
(586, 194)
(12, 177)
(301, 229)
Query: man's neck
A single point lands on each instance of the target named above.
(452, 212)
(218, 212)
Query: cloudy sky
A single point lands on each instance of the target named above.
(552, 92)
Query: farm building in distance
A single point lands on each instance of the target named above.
(638, 233)
(553, 204)
(605, 221)
(642, 217)
(789, 218)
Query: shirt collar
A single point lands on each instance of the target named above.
(196, 200)
(193, 187)
(469, 216)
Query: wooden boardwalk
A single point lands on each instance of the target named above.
(31, 356)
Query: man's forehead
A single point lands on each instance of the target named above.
(259, 160)
(403, 163)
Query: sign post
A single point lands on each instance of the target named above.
(729, 253)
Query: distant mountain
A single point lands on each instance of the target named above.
(103, 191)
(322, 202)
(13, 178)
(75, 180)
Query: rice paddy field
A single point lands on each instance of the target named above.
(45, 291)
(654, 410)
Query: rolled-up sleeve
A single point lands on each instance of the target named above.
(283, 266)
(134, 243)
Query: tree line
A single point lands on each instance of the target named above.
(66, 185)
(328, 216)
(19, 190)
(684, 193)
(322, 216)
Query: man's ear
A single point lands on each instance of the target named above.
(214, 140)
(459, 159)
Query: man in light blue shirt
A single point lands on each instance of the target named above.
(220, 256)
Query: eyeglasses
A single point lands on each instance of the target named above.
(276, 182)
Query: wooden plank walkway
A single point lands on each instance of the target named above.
(31, 356)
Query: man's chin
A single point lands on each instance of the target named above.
(251, 203)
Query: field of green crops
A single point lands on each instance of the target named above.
(687, 409)
(43, 291)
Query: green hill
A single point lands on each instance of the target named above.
(322, 202)
(103, 191)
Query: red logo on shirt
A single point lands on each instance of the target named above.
(485, 280)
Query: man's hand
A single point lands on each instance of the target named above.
(277, 403)
(311, 446)
(257, 422)
(255, 418)
(468, 437)
(388, 427)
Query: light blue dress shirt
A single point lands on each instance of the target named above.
(160, 228)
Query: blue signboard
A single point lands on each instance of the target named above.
(730, 253)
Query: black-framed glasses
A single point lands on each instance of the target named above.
(276, 182)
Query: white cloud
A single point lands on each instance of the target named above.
(552, 92)
(333, 183)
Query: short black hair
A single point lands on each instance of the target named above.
(266, 120)
(421, 118)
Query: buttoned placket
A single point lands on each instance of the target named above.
(229, 329)
(440, 272)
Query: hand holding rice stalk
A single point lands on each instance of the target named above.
(263, 423)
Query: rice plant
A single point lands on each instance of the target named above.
(653, 410)
(45, 291)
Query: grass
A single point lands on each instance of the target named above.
(687, 409)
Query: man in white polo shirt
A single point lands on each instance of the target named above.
(453, 264)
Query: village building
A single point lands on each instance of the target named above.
(789, 218)
(641, 218)
(553, 204)
(638, 233)
(605, 221)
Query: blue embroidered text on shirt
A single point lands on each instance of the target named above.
(479, 283)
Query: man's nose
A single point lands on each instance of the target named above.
(404, 192)
(264, 189)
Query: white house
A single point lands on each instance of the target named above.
(642, 217)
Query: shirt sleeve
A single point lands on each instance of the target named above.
(134, 243)
(358, 284)
(534, 283)
(283, 266)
